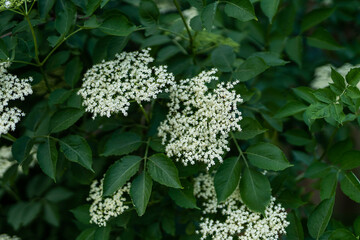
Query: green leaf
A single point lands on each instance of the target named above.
(183, 198)
(58, 194)
(291, 108)
(51, 214)
(328, 186)
(297, 137)
(349, 160)
(4, 53)
(227, 178)
(59, 96)
(252, 67)
(47, 156)
(121, 144)
(23, 213)
(325, 95)
(91, 7)
(65, 19)
(149, 13)
(338, 80)
(119, 173)
(350, 185)
(45, 6)
(65, 118)
(73, 71)
(323, 39)
(117, 25)
(140, 192)
(103, 3)
(87, 234)
(21, 148)
(163, 170)
(342, 234)
(305, 93)
(356, 226)
(223, 57)
(294, 49)
(271, 58)
(315, 17)
(208, 15)
(318, 110)
(320, 217)
(242, 10)
(102, 233)
(353, 76)
(269, 7)
(295, 229)
(317, 170)
(82, 213)
(267, 156)
(250, 129)
(255, 190)
(76, 149)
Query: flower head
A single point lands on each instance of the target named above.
(6, 4)
(238, 221)
(109, 87)
(11, 88)
(102, 209)
(199, 120)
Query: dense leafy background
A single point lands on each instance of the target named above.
(307, 140)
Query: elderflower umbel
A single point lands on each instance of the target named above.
(4, 236)
(109, 87)
(199, 120)
(11, 88)
(238, 221)
(7, 4)
(102, 209)
(323, 74)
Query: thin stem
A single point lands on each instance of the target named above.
(186, 26)
(239, 149)
(58, 45)
(146, 151)
(34, 38)
(144, 112)
(174, 33)
(9, 137)
(27, 63)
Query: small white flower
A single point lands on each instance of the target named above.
(238, 222)
(109, 87)
(11, 88)
(200, 119)
(102, 209)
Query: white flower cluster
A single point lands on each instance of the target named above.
(238, 222)
(7, 4)
(199, 120)
(109, 87)
(323, 74)
(102, 209)
(6, 160)
(4, 236)
(11, 88)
